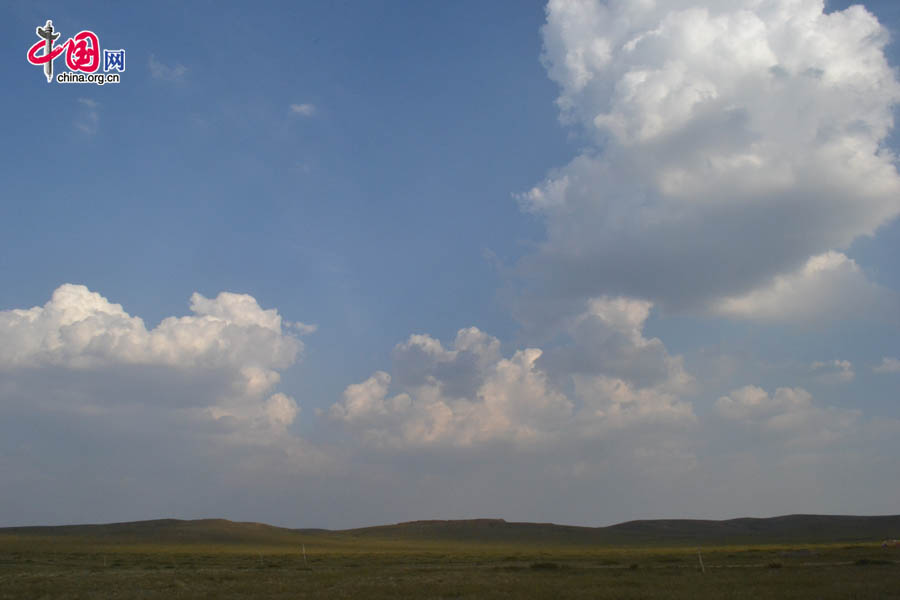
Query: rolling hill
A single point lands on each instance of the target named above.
(671, 532)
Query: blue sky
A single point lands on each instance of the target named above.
(395, 172)
(406, 169)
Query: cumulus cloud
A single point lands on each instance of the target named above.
(229, 339)
(281, 409)
(789, 415)
(455, 397)
(608, 338)
(470, 394)
(613, 403)
(829, 285)
(731, 143)
(888, 364)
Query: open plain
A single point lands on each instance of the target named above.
(786, 557)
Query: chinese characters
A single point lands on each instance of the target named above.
(82, 52)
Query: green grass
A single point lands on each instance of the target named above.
(193, 571)
(219, 559)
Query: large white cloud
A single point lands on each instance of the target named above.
(510, 398)
(229, 351)
(469, 394)
(731, 142)
(79, 328)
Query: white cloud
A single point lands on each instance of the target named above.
(281, 409)
(789, 415)
(79, 328)
(828, 286)
(733, 142)
(364, 401)
(608, 338)
(304, 110)
(229, 338)
(164, 72)
(622, 378)
(459, 397)
(612, 403)
(834, 371)
(469, 394)
(302, 328)
(89, 116)
(888, 364)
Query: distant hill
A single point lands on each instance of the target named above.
(166, 531)
(791, 528)
(674, 532)
(811, 528)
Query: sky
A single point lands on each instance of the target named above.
(352, 263)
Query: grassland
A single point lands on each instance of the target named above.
(468, 559)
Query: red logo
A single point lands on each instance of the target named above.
(82, 52)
